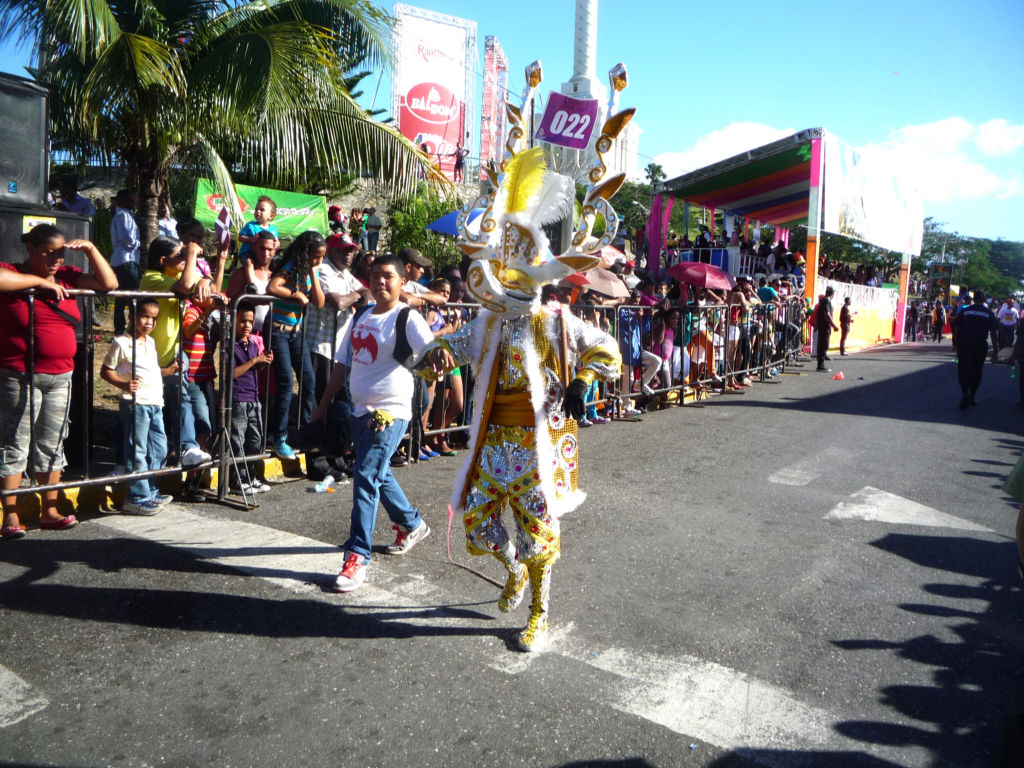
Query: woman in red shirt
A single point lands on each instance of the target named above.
(48, 357)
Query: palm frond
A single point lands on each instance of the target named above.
(221, 179)
(84, 26)
(133, 72)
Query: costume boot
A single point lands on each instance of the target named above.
(535, 636)
(515, 587)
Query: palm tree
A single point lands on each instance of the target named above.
(251, 87)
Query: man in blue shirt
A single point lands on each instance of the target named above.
(974, 325)
(124, 236)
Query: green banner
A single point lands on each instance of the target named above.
(295, 212)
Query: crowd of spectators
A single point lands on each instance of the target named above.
(294, 306)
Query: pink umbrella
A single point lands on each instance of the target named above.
(702, 275)
(607, 283)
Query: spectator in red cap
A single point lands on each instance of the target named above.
(335, 219)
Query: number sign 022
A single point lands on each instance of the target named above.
(568, 122)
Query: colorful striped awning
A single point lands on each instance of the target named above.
(769, 184)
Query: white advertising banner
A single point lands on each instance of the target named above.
(864, 199)
(431, 88)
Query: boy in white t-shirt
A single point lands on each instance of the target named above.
(381, 389)
(144, 439)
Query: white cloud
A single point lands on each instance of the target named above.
(719, 145)
(949, 159)
(998, 137)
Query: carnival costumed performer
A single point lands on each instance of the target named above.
(533, 362)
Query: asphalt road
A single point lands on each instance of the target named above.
(815, 573)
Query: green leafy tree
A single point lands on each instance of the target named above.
(997, 267)
(253, 89)
(409, 216)
(655, 174)
(633, 203)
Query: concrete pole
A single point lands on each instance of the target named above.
(584, 65)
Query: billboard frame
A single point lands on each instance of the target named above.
(471, 65)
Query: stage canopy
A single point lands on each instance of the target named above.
(779, 184)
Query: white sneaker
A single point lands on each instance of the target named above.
(406, 540)
(141, 508)
(193, 457)
(258, 487)
(646, 388)
(352, 575)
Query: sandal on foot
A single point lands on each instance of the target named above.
(58, 525)
(12, 532)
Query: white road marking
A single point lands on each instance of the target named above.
(810, 469)
(719, 705)
(880, 506)
(297, 563)
(794, 476)
(696, 698)
(702, 700)
(18, 699)
(294, 562)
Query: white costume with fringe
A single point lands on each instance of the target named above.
(523, 449)
(527, 457)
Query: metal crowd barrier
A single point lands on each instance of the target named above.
(85, 356)
(712, 349)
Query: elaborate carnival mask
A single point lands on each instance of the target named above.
(511, 253)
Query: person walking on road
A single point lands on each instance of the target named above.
(845, 321)
(372, 357)
(975, 324)
(938, 320)
(824, 324)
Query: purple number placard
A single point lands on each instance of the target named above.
(568, 122)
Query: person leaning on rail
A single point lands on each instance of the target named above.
(41, 364)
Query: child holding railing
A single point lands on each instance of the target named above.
(132, 366)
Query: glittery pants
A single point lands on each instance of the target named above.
(507, 471)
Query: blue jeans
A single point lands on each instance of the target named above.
(290, 355)
(145, 447)
(178, 407)
(204, 407)
(372, 482)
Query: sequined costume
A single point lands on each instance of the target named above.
(532, 362)
(524, 447)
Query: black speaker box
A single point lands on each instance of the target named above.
(24, 141)
(15, 220)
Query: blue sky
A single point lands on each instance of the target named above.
(936, 85)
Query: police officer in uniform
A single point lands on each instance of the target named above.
(975, 324)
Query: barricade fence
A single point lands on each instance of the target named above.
(682, 350)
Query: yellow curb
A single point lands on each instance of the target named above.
(91, 498)
(279, 469)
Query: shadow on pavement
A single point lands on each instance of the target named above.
(198, 611)
(971, 670)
